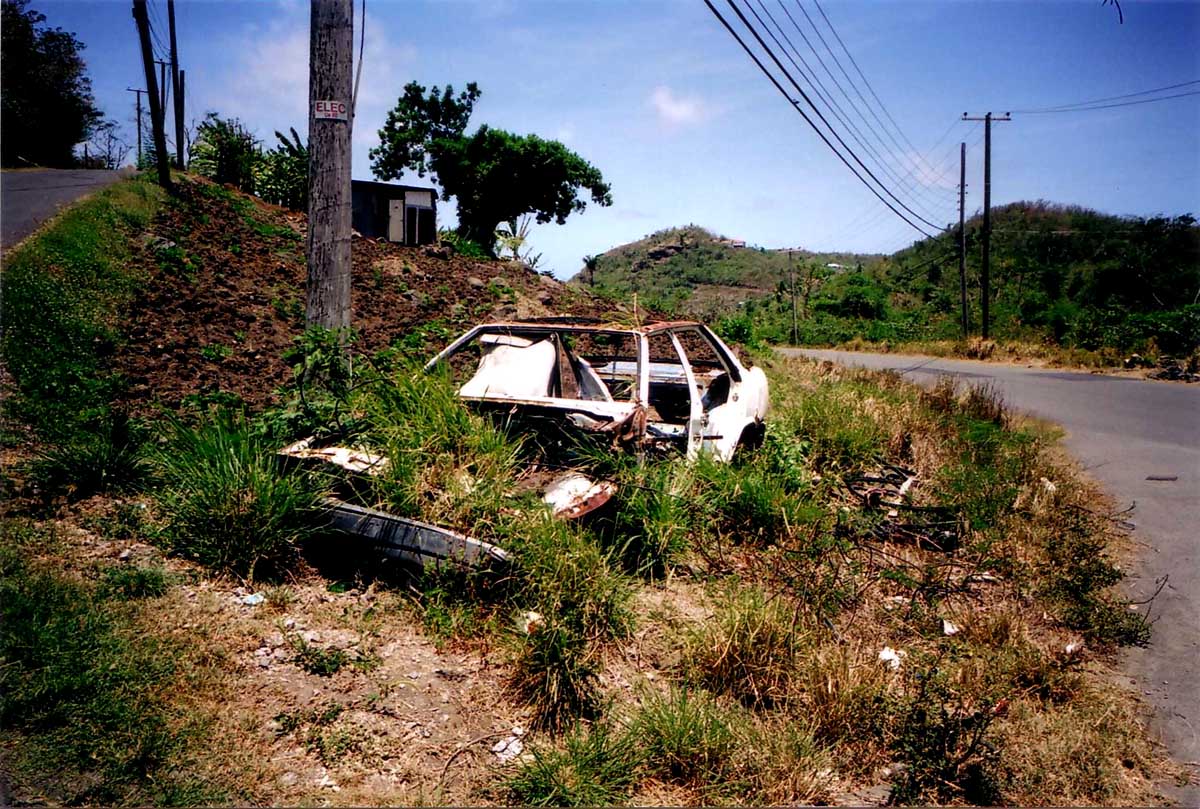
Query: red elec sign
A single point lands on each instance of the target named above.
(330, 110)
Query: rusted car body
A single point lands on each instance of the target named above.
(662, 385)
(665, 387)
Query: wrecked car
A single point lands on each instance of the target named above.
(662, 387)
(671, 385)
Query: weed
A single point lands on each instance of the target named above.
(279, 598)
(555, 675)
(107, 456)
(321, 662)
(749, 649)
(216, 352)
(595, 766)
(84, 692)
(227, 501)
(63, 290)
(687, 738)
(130, 583)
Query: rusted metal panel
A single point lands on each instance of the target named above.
(574, 494)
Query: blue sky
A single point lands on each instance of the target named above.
(664, 102)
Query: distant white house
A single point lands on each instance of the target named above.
(833, 266)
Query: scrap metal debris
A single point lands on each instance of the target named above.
(890, 490)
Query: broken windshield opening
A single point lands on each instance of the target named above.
(535, 364)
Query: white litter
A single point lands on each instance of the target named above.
(892, 657)
(531, 622)
(949, 627)
(508, 748)
(252, 600)
(1074, 647)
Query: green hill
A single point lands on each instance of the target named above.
(1061, 275)
(693, 271)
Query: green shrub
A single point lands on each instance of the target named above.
(225, 152)
(227, 500)
(656, 516)
(596, 766)
(462, 245)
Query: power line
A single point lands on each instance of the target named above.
(885, 167)
(814, 82)
(1058, 107)
(1111, 106)
(863, 76)
(808, 120)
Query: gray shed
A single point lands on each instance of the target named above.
(399, 213)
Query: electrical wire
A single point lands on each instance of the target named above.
(808, 120)
(822, 93)
(1110, 106)
(362, 41)
(1058, 107)
(863, 76)
(839, 112)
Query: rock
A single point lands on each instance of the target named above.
(476, 282)
(288, 779)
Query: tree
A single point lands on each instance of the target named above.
(281, 174)
(495, 176)
(107, 147)
(225, 152)
(45, 94)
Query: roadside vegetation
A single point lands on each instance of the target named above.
(742, 633)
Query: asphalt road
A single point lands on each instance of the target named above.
(1124, 431)
(28, 198)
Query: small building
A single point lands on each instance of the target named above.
(403, 214)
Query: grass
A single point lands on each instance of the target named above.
(85, 702)
(595, 766)
(63, 292)
(228, 503)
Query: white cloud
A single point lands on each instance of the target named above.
(565, 134)
(673, 110)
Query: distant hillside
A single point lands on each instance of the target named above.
(1060, 274)
(693, 271)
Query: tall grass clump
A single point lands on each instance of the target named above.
(83, 692)
(749, 649)
(657, 515)
(555, 673)
(595, 766)
(688, 738)
(107, 456)
(446, 464)
(63, 291)
(228, 502)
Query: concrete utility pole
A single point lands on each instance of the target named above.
(176, 86)
(962, 237)
(156, 111)
(985, 257)
(330, 90)
(139, 120)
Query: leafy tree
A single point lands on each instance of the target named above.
(496, 176)
(225, 152)
(281, 174)
(45, 94)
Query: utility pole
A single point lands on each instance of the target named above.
(330, 88)
(156, 112)
(962, 237)
(792, 274)
(162, 87)
(181, 133)
(985, 257)
(176, 86)
(139, 121)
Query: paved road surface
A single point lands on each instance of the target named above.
(1123, 431)
(28, 198)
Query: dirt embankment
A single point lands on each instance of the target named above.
(224, 298)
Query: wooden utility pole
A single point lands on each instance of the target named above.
(330, 89)
(139, 121)
(962, 237)
(985, 256)
(162, 87)
(156, 111)
(176, 86)
(792, 274)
